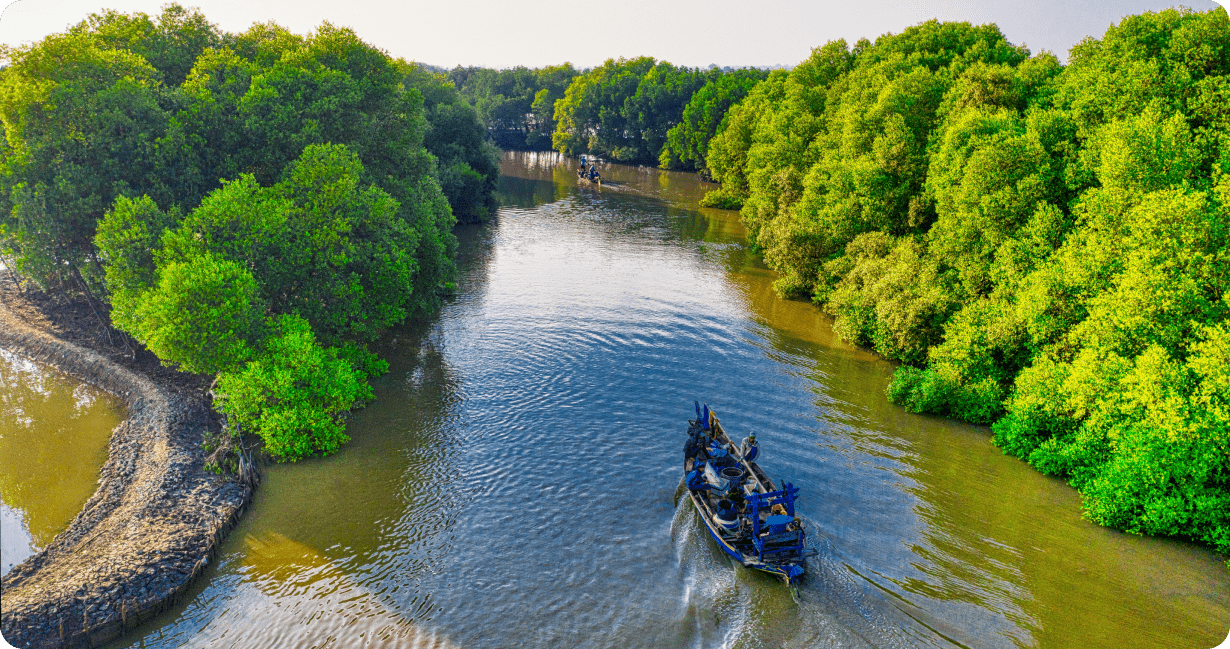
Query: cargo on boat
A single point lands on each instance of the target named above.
(589, 173)
(750, 518)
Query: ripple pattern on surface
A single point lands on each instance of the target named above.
(517, 481)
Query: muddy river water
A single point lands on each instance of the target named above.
(517, 482)
(53, 439)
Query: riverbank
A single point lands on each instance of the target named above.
(157, 516)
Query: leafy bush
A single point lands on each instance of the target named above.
(294, 394)
(1045, 247)
(202, 315)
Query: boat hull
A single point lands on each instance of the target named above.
(734, 552)
(767, 535)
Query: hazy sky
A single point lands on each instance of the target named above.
(505, 33)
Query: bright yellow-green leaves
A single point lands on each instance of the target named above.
(1045, 247)
(240, 285)
(202, 315)
(295, 395)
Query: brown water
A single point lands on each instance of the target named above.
(517, 481)
(53, 440)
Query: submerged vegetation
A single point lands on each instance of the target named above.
(256, 206)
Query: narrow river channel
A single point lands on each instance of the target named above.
(517, 482)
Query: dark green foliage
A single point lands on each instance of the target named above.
(212, 185)
(171, 44)
(656, 107)
(469, 165)
(624, 109)
(517, 105)
(320, 245)
(590, 117)
(82, 126)
(704, 117)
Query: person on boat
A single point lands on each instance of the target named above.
(697, 481)
(735, 496)
(694, 444)
(749, 450)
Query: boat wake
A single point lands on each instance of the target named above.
(724, 605)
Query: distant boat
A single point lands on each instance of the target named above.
(750, 518)
(591, 174)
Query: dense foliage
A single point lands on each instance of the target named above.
(254, 205)
(623, 109)
(629, 110)
(469, 164)
(517, 105)
(1043, 247)
(687, 145)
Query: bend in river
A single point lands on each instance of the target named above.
(517, 481)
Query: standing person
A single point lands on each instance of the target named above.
(749, 449)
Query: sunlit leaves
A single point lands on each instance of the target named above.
(294, 394)
(202, 314)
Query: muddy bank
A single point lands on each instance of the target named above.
(157, 516)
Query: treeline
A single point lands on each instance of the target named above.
(517, 105)
(638, 111)
(1043, 247)
(256, 206)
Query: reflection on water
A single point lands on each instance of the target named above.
(53, 440)
(517, 481)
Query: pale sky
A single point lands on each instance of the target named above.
(534, 33)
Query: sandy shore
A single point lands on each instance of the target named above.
(157, 516)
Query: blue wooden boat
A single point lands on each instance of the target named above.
(749, 517)
(589, 173)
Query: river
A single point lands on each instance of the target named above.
(517, 482)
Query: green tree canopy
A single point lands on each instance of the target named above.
(1044, 247)
(705, 117)
(209, 184)
(468, 164)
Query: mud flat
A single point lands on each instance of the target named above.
(157, 515)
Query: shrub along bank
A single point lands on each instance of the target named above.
(256, 205)
(1043, 247)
